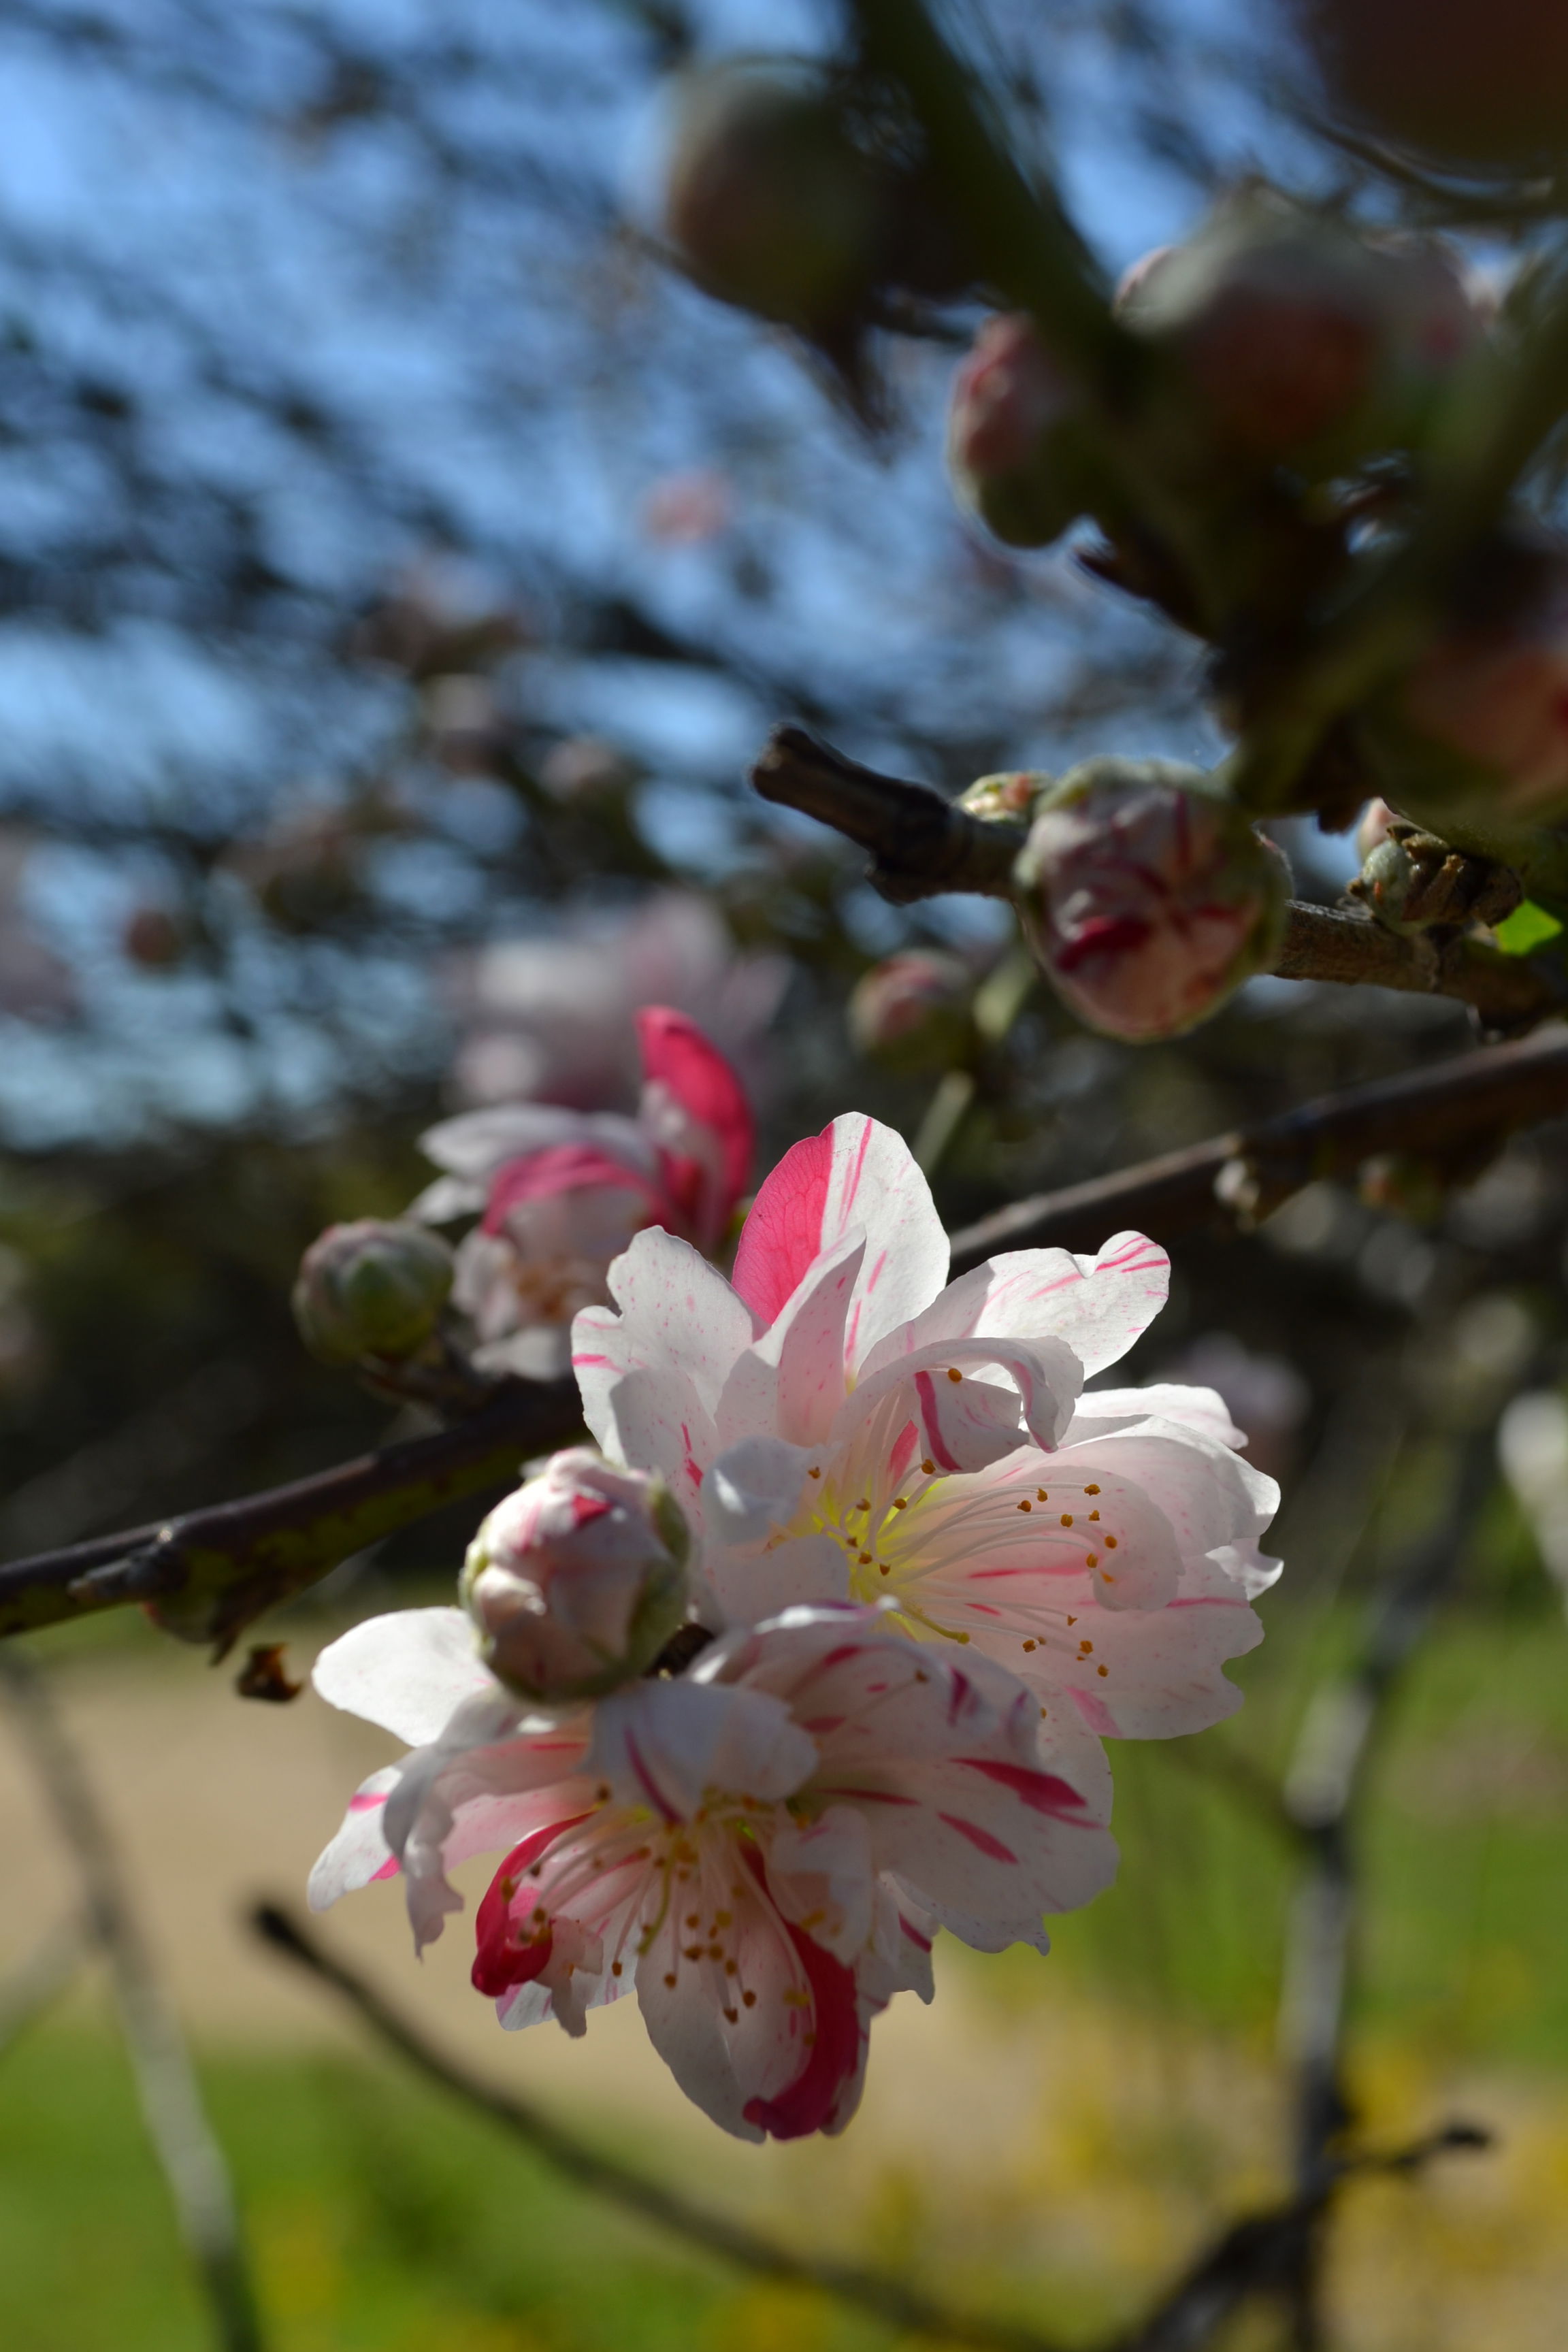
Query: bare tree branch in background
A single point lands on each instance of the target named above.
(192, 2161)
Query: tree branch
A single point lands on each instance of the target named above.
(209, 1574)
(183, 2140)
(922, 844)
(1440, 1112)
(887, 2299)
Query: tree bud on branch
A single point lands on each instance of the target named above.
(371, 1288)
(577, 1580)
(1147, 897)
(1300, 342)
(770, 201)
(1017, 449)
(913, 1009)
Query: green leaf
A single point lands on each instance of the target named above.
(1528, 926)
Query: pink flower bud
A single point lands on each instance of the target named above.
(1147, 897)
(912, 1006)
(770, 203)
(1015, 450)
(1300, 341)
(1483, 79)
(577, 1580)
(371, 1288)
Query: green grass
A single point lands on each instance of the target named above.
(381, 2218)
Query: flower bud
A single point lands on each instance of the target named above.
(577, 1580)
(1005, 799)
(770, 203)
(912, 1008)
(1148, 898)
(371, 1288)
(1016, 442)
(1485, 81)
(1371, 827)
(1298, 341)
(1491, 694)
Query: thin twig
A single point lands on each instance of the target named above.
(1441, 1112)
(923, 845)
(208, 1574)
(889, 2300)
(177, 2127)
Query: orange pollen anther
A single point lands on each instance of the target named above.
(1026, 1507)
(953, 1374)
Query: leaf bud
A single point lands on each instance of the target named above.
(1147, 897)
(1017, 445)
(1005, 799)
(374, 1288)
(578, 1578)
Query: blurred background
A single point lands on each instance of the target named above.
(399, 566)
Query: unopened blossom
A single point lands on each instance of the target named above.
(1298, 339)
(762, 1847)
(373, 1288)
(578, 1578)
(1016, 437)
(912, 1006)
(1147, 897)
(1006, 798)
(843, 1424)
(558, 1193)
(771, 205)
(1492, 696)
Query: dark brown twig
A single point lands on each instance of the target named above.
(922, 844)
(1437, 1112)
(889, 2300)
(208, 1574)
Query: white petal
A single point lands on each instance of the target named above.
(479, 1142)
(968, 1416)
(857, 1176)
(359, 1853)
(676, 1314)
(1097, 1306)
(1101, 1410)
(753, 1488)
(752, 1585)
(666, 1744)
(790, 1383)
(409, 1671)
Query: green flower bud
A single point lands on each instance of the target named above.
(371, 1288)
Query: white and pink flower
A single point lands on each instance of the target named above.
(559, 1193)
(762, 1847)
(838, 1425)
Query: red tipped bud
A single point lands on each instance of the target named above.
(1147, 897)
(578, 1578)
(371, 1288)
(1015, 439)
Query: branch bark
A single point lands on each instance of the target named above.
(1439, 1112)
(209, 1574)
(922, 844)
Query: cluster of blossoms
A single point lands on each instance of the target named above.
(559, 1193)
(920, 1574)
